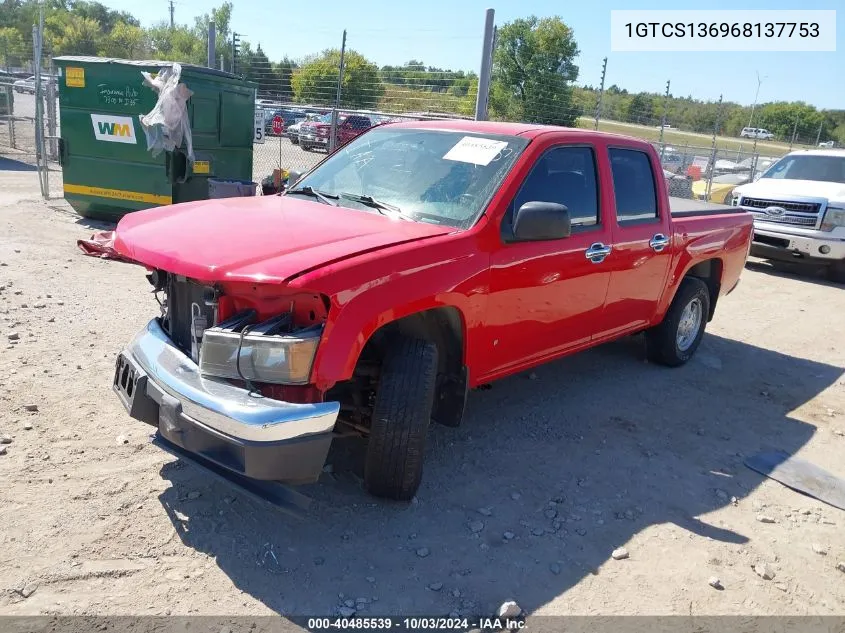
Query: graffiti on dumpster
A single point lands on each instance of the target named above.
(118, 95)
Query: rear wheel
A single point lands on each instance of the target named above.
(401, 416)
(674, 341)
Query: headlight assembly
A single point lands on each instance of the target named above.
(263, 352)
(834, 217)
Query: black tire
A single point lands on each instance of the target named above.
(836, 272)
(401, 416)
(294, 140)
(305, 147)
(663, 342)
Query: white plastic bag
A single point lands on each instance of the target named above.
(167, 124)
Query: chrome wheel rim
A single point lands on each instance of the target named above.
(689, 324)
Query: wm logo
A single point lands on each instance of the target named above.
(114, 129)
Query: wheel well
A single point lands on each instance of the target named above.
(443, 327)
(710, 272)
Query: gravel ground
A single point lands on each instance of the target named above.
(551, 472)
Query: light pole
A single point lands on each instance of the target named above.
(756, 94)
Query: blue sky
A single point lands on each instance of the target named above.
(447, 33)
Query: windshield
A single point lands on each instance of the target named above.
(808, 167)
(430, 176)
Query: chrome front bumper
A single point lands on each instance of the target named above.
(153, 364)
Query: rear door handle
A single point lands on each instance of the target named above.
(597, 252)
(659, 242)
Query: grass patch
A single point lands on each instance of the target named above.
(681, 139)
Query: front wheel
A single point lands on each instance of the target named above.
(674, 341)
(836, 272)
(401, 416)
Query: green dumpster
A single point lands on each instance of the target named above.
(107, 167)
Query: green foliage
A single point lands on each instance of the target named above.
(533, 69)
(316, 80)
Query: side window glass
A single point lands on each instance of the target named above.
(633, 184)
(567, 176)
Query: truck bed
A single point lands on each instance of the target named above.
(686, 207)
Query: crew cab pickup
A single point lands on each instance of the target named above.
(798, 206)
(417, 262)
(316, 133)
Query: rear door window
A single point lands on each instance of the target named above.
(633, 185)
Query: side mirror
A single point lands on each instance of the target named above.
(536, 221)
(293, 176)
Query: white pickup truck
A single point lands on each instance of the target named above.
(798, 206)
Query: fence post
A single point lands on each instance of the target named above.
(794, 131)
(663, 120)
(333, 133)
(52, 143)
(601, 94)
(10, 99)
(212, 44)
(716, 126)
(484, 72)
(819, 135)
(40, 157)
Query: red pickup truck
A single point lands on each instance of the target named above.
(316, 133)
(413, 264)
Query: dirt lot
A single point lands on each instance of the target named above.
(549, 473)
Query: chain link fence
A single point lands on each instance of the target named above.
(29, 115)
(310, 105)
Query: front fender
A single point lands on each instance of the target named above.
(378, 289)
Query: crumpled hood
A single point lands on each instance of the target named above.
(782, 189)
(265, 238)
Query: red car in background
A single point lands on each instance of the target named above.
(314, 134)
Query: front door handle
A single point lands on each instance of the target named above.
(659, 242)
(597, 252)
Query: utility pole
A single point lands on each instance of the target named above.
(333, 135)
(171, 14)
(601, 93)
(486, 69)
(663, 120)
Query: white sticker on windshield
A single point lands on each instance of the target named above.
(478, 151)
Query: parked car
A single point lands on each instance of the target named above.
(756, 132)
(722, 187)
(798, 206)
(292, 131)
(316, 133)
(828, 144)
(289, 117)
(421, 260)
(678, 185)
(28, 85)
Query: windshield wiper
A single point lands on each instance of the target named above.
(325, 198)
(377, 204)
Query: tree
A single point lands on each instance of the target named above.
(222, 18)
(641, 109)
(316, 80)
(12, 48)
(69, 34)
(179, 44)
(533, 68)
(126, 41)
